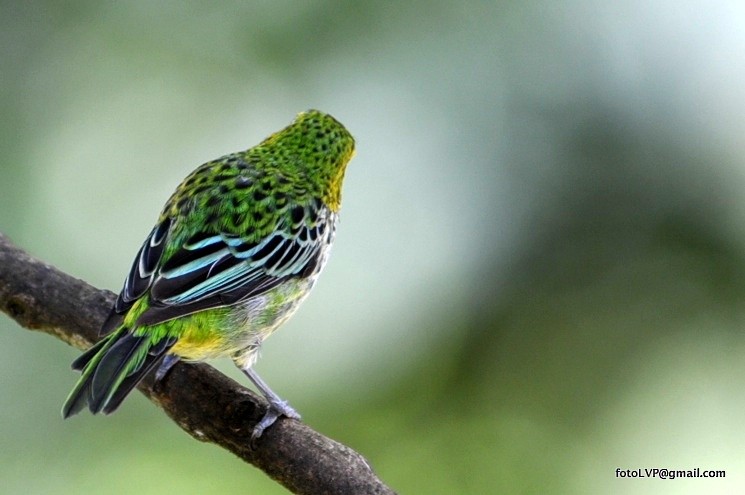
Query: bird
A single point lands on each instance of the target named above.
(236, 249)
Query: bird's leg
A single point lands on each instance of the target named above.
(165, 366)
(277, 406)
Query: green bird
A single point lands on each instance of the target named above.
(236, 249)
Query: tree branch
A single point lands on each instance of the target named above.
(206, 404)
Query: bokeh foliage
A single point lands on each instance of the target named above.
(538, 277)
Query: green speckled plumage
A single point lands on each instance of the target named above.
(235, 250)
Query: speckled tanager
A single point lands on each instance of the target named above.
(236, 249)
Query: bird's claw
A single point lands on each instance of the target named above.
(275, 411)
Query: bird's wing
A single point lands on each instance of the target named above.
(140, 276)
(211, 270)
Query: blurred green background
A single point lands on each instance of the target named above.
(540, 272)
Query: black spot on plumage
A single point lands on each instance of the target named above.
(182, 203)
(259, 195)
(242, 165)
(211, 218)
(201, 188)
(297, 214)
(258, 217)
(213, 201)
(313, 215)
(242, 182)
(236, 219)
(236, 202)
(223, 189)
(222, 177)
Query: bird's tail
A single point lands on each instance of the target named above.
(112, 368)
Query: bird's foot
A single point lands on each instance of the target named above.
(277, 408)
